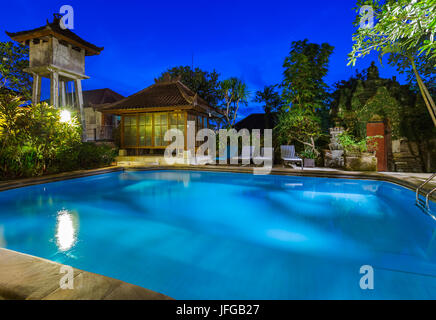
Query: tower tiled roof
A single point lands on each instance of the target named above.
(54, 29)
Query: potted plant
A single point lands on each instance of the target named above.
(309, 157)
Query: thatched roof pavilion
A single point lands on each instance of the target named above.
(149, 113)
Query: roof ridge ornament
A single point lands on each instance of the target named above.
(57, 17)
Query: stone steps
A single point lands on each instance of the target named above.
(405, 162)
(139, 161)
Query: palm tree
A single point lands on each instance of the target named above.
(234, 92)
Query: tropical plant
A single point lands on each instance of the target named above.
(404, 29)
(351, 145)
(12, 120)
(234, 93)
(271, 100)
(48, 134)
(88, 155)
(14, 58)
(34, 141)
(423, 65)
(308, 153)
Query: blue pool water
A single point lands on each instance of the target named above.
(208, 235)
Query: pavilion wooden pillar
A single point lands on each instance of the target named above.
(79, 100)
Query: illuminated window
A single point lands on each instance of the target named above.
(130, 131)
(160, 127)
(177, 121)
(145, 129)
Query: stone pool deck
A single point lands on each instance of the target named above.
(17, 183)
(27, 277)
(24, 277)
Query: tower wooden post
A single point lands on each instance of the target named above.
(79, 99)
(54, 89)
(63, 93)
(36, 88)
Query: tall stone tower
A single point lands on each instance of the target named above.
(57, 54)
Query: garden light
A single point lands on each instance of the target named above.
(65, 116)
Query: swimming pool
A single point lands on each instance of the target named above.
(210, 235)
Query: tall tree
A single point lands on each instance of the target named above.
(13, 59)
(204, 83)
(305, 93)
(234, 93)
(271, 100)
(305, 68)
(404, 28)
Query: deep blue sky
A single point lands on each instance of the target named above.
(247, 39)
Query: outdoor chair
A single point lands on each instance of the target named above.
(289, 156)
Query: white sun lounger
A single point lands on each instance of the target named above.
(289, 156)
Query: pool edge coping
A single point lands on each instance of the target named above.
(409, 182)
(29, 277)
(25, 182)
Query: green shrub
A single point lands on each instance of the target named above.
(299, 125)
(33, 141)
(91, 155)
(353, 146)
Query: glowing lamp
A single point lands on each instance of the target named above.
(65, 116)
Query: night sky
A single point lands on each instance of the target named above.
(246, 39)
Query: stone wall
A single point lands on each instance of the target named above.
(408, 156)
